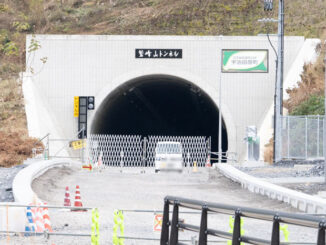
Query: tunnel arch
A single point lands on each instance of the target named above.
(133, 97)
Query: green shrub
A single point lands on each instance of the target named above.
(312, 106)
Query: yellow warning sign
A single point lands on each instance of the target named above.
(76, 106)
(78, 144)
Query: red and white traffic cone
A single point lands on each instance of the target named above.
(208, 162)
(46, 219)
(78, 203)
(67, 202)
(39, 222)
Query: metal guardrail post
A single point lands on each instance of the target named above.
(165, 224)
(175, 227)
(321, 234)
(276, 231)
(203, 227)
(236, 238)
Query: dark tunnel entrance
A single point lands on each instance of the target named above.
(159, 105)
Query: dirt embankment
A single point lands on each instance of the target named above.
(15, 145)
(14, 148)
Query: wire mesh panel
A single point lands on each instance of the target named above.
(194, 148)
(116, 150)
(302, 137)
(135, 151)
(312, 138)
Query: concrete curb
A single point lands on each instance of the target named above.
(24, 194)
(301, 201)
(21, 186)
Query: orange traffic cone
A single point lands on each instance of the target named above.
(208, 162)
(46, 218)
(78, 203)
(39, 222)
(67, 202)
(99, 161)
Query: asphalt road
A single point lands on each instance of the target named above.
(132, 190)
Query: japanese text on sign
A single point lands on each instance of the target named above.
(78, 144)
(245, 61)
(159, 53)
(76, 106)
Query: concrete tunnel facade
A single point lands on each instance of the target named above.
(133, 95)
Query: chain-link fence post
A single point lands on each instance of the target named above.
(324, 133)
(318, 136)
(288, 133)
(306, 138)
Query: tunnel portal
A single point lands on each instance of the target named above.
(159, 105)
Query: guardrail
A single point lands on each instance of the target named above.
(225, 156)
(169, 236)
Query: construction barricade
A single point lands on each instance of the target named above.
(41, 223)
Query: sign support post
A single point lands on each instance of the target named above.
(279, 86)
(324, 121)
(220, 120)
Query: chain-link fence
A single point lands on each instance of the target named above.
(302, 137)
(136, 151)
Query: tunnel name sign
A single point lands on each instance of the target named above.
(246, 61)
(158, 53)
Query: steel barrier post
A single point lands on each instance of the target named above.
(165, 224)
(175, 226)
(276, 231)
(203, 227)
(236, 238)
(321, 234)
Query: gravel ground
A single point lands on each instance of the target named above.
(6, 177)
(309, 188)
(298, 170)
(131, 189)
(303, 171)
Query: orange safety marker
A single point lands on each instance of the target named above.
(158, 219)
(67, 202)
(7, 224)
(38, 218)
(46, 219)
(100, 162)
(208, 162)
(78, 203)
(89, 166)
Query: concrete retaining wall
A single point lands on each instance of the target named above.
(14, 218)
(301, 201)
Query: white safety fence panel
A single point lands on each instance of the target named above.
(135, 151)
(116, 150)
